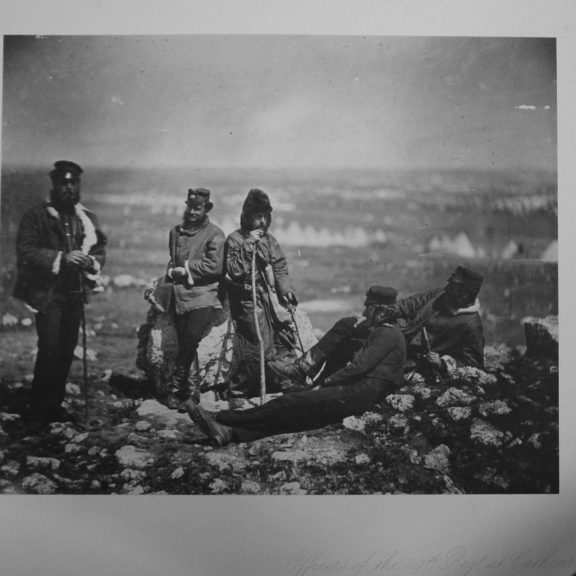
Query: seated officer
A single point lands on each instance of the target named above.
(452, 321)
(375, 372)
(449, 315)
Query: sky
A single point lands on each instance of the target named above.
(276, 101)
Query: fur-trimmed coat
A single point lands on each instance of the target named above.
(42, 276)
(239, 267)
(457, 336)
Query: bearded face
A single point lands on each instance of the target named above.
(65, 192)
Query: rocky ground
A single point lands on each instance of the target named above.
(480, 432)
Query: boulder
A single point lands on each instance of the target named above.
(158, 345)
(541, 336)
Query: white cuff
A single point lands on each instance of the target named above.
(57, 263)
(95, 265)
(187, 268)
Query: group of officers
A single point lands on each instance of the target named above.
(351, 369)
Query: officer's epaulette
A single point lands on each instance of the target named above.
(387, 325)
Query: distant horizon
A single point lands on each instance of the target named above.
(305, 169)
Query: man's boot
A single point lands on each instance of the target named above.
(299, 370)
(219, 434)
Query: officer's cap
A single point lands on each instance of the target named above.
(198, 196)
(66, 170)
(467, 277)
(381, 295)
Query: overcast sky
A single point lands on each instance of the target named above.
(270, 101)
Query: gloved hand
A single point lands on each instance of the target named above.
(433, 359)
(291, 299)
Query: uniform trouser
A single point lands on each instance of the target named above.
(57, 328)
(341, 342)
(299, 411)
(190, 328)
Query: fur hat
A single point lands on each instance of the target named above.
(257, 202)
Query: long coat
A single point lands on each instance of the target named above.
(381, 358)
(458, 335)
(41, 242)
(239, 267)
(201, 252)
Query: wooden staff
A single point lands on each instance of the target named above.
(258, 334)
(84, 349)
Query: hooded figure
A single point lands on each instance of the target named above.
(272, 280)
(452, 321)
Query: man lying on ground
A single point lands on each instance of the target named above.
(375, 372)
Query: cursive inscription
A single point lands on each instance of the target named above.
(456, 561)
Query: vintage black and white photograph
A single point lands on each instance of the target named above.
(279, 265)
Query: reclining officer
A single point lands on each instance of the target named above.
(450, 316)
(375, 372)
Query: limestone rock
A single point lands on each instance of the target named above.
(458, 413)
(496, 407)
(250, 487)
(157, 348)
(358, 424)
(541, 336)
(401, 402)
(292, 488)
(485, 434)
(362, 459)
(39, 484)
(454, 397)
(438, 458)
(133, 457)
(218, 486)
(40, 462)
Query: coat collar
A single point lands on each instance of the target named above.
(440, 306)
(192, 231)
(78, 208)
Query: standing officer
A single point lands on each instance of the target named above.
(60, 251)
(195, 269)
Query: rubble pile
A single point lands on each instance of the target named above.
(493, 431)
(490, 431)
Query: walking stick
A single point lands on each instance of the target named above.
(258, 334)
(84, 348)
(296, 329)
